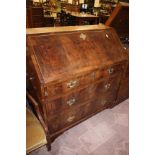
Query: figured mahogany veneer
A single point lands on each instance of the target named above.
(75, 73)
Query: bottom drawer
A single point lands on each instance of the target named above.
(62, 120)
(102, 102)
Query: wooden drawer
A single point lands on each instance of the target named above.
(110, 86)
(69, 85)
(101, 103)
(66, 118)
(105, 101)
(104, 97)
(109, 71)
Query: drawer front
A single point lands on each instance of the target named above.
(101, 103)
(109, 71)
(105, 101)
(66, 118)
(105, 98)
(69, 85)
(108, 86)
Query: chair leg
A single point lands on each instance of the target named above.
(48, 145)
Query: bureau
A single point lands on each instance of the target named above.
(74, 73)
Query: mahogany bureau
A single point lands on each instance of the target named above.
(75, 72)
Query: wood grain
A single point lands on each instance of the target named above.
(76, 73)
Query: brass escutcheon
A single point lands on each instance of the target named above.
(71, 83)
(107, 86)
(110, 70)
(71, 101)
(70, 119)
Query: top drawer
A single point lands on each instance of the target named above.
(70, 85)
(109, 71)
(78, 82)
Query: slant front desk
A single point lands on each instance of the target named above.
(74, 73)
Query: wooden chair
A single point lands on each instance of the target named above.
(36, 130)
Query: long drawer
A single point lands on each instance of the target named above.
(54, 90)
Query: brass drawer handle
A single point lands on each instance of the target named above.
(71, 84)
(71, 101)
(103, 102)
(70, 119)
(107, 86)
(110, 70)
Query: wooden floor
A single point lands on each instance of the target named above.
(103, 134)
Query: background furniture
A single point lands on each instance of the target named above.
(35, 16)
(42, 14)
(85, 19)
(48, 21)
(74, 18)
(119, 20)
(103, 18)
(70, 7)
(74, 72)
(65, 19)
